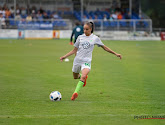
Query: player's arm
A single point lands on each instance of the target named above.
(69, 54)
(111, 51)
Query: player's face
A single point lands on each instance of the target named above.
(87, 30)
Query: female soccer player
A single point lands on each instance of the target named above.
(82, 62)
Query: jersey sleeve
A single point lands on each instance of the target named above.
(98, 42)
(77, 42)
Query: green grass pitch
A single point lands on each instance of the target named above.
(116, 91)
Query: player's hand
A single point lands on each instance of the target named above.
(61, 58)
(119, 55)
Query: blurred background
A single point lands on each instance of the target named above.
(129, 19)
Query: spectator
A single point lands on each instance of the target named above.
(18, 11)
(2, 21)
(41, 10)
(29, 18)
(119, 16)
(114, 15)
(7, 21)
(39, 17)
(38, 13)
(18, 17)
(55, 15)
(12, 11)
(96, 17)
(105, 17)
(85, 18)
(3, 12)
(23, 11)
(34, 17)
(111, 18)
(96, 21)
(33, 10)
(45, 16)
(8, 13)
(90, 19)
(97, 12)
(128, 16)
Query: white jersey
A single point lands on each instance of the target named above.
(85, 45)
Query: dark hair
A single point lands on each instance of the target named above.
(77, 23)
(91, 24)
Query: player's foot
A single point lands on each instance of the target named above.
(85, 81)
(71, 43)
(74, 96)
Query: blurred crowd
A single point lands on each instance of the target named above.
(25, 14)
(29, 14)
(116, 14)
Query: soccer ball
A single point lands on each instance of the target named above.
(55, 96)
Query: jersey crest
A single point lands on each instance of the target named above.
(86, 45)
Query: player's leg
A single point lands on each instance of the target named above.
(84, 76)
(80, 84)
(76, 75)
(85, 70)
(75, 40)
(76, 71)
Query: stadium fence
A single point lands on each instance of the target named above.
(62, 28)
(66, 24)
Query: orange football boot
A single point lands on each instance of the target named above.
(71, 43)
(74, 96)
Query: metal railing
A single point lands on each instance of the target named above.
(124, 25)
(65, 24)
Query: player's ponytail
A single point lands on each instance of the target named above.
(91, 24)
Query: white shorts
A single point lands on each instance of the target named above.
(80, 67)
